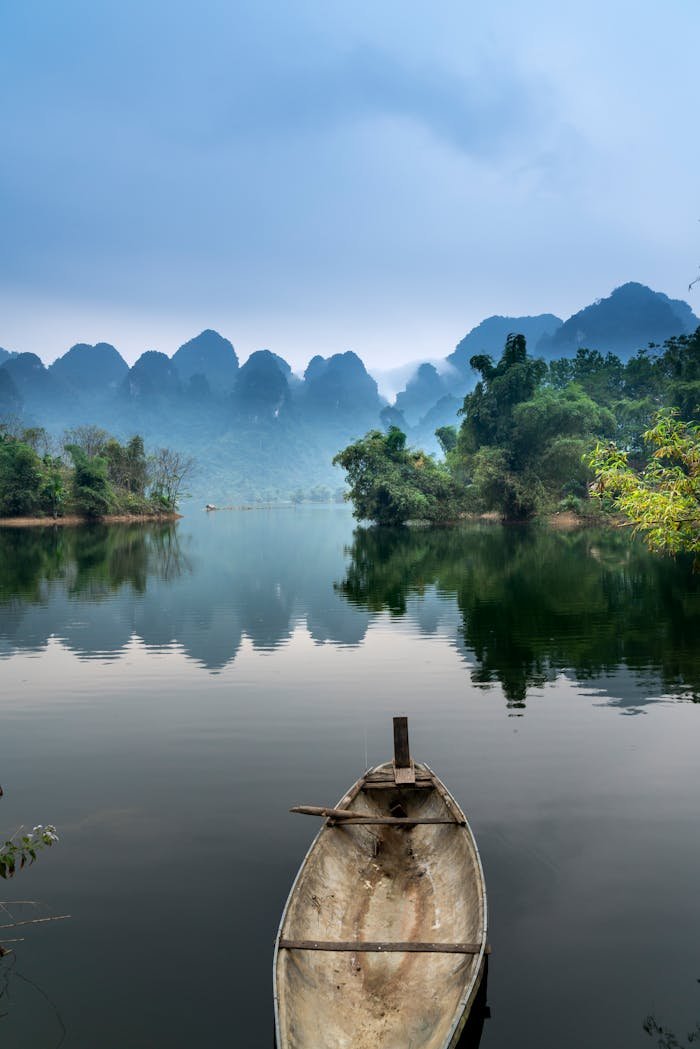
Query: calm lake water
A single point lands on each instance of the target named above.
(167, 693)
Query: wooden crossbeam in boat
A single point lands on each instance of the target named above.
(420, 784)
(380, 947)
(395, 821)
(388, 777)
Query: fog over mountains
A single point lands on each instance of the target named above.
(259, 431)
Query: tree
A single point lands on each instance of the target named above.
(89, 439)
(520, 445)
(391, 484)
(127, 465)
(447, 436)
(20, 477)
(170, 471)
(53, 489)
(92, 492)
(488, 410)
(663, 500)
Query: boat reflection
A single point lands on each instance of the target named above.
(479, 1013)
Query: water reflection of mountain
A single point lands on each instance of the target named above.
(534, 603)
(203, 585)
(520, 605)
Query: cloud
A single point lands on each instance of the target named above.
(370, 175)
(473, 112)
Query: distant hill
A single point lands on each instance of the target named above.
(97, 369)
(153, 377)
(211, 356)
(341, 385)
(262, 390)
(35, 385)
(490, 336)
(626, 321)
(423, 391)
(10, 400)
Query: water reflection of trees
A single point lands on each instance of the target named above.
(204, 585)
(92, 561)
(536, 602)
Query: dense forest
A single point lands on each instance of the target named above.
(88, 474)
(532, 434)
(261, 432)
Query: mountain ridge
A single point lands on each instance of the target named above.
(202, 400)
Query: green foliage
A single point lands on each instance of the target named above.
(391, 484)
(20, 478)
(663, 500)
(105, 477)
(22, 849)
(488, 410)
(53, 488)
(127, 465)
(523, 445)
(92, 492)
(447, 436)
(520, 444)
(496, 486)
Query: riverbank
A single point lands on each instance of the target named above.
(74, 519)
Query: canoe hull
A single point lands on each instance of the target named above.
(390, 885)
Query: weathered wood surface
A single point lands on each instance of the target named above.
(365, 947)
(345, 816)
(320, 810)
(372, 885)
(387, 775)
(402, 752)
(394, 821)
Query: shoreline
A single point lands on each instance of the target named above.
(74, 519)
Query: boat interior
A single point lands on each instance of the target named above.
(381, 943)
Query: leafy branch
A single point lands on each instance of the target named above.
(17, 852)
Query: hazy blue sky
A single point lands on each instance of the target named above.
(317, 176)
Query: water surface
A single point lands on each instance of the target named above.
(168, 692)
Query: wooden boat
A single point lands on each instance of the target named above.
(382, 942)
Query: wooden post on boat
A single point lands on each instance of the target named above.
(404, 772)
(402, 753)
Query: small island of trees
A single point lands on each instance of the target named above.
(89, 474)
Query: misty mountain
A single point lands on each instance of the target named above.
(628, 320)
(211, 356)
(153, 377)
(262, 391)
(340, 386)
(10, 400)
(422, 391)
(490, 335)
(259, 431)
(95, 370)
(36, 387)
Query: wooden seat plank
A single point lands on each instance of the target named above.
(380, 947)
